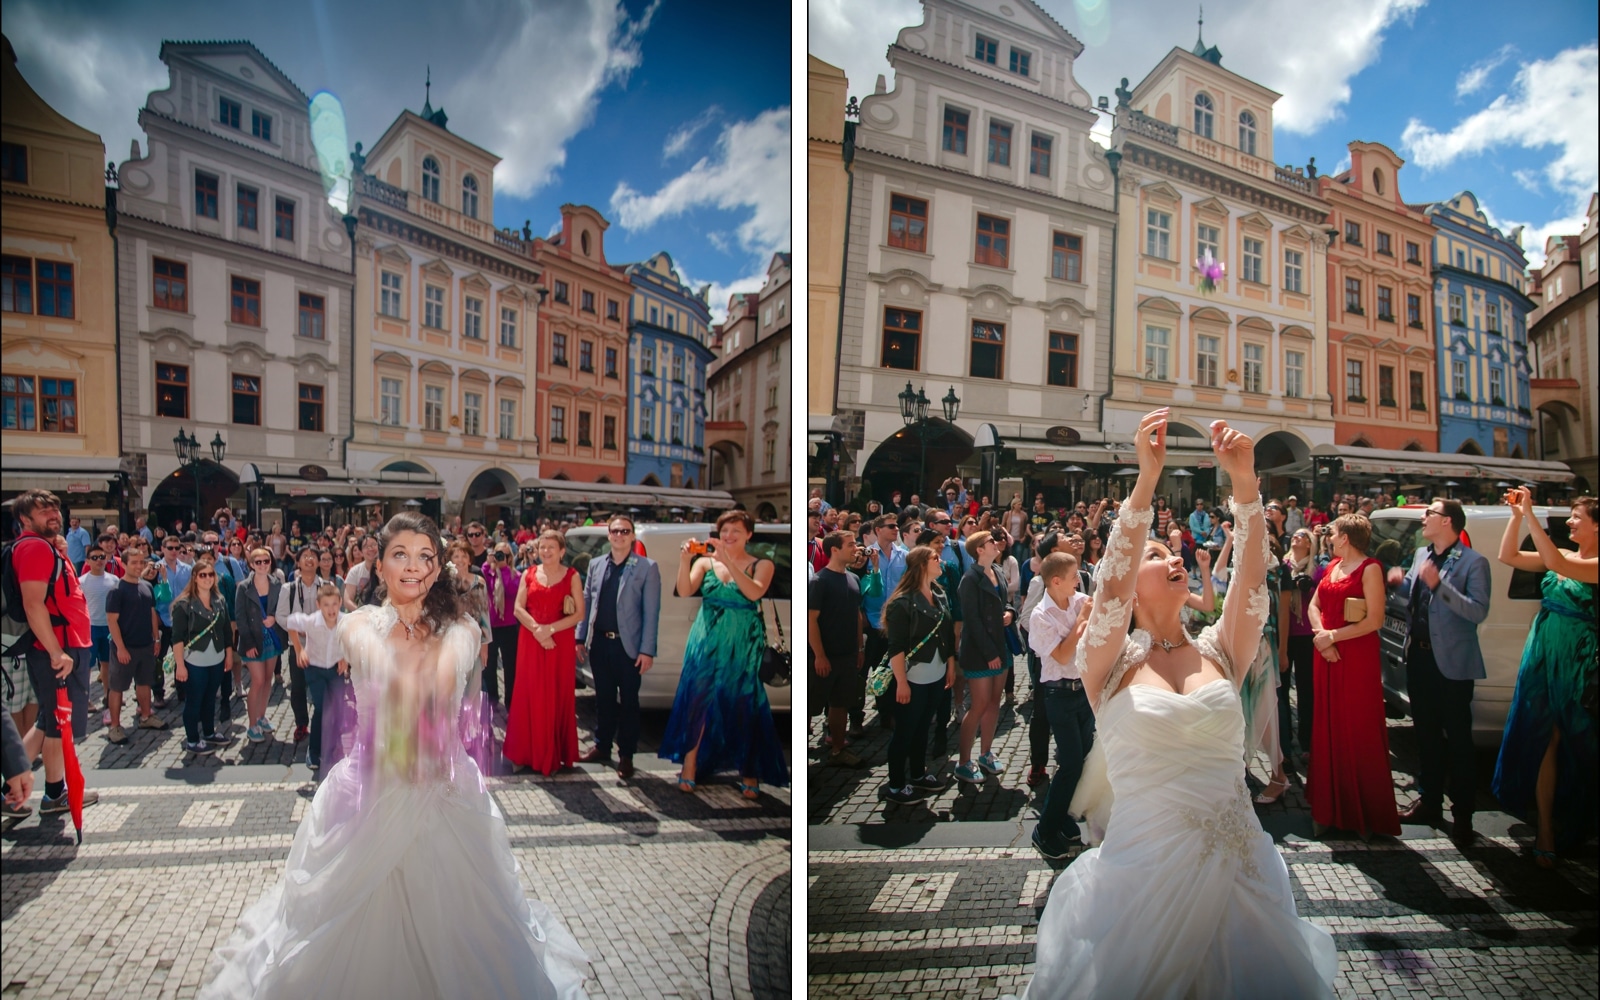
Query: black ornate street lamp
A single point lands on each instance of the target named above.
(914, 412)
(187, 449)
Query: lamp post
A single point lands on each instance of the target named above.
(187, 449)
(914, 411)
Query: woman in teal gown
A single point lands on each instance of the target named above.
(1548, 753)
(721, 720)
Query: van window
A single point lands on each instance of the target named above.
(1395, 541)
(774, 545)
(1525, 586)
(583, 549)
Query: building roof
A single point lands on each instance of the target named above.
(235, 45)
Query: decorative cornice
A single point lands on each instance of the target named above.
(274, 157)
(1106, 215)
(427, 239)
(235, 245)
(11, 191)
(1189, 173)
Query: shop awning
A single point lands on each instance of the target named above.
(58, 473)
(1440, 465)
(564, 492)
(1525, 471)
(287, 486)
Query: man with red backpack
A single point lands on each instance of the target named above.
(42, 586)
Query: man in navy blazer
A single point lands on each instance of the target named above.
(1446, 594)
(622, 597)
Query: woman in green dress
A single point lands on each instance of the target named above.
(1548, 753)
(721, 719)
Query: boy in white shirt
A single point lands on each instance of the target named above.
(1054, 631)
(316, 632)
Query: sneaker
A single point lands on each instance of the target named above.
(844, 758)
(902, 796)
(991, 764)
(200, 749)
(255, 735)
(219, 739)
(105, 717)
(1055, 851)
(47, 805)
(264, 725)
(158, 703)
(928, 783)
(971, 775)
(315, 765)
(116, 735)
(9, 811)
(300, 733)
(1037, 777)
(152, 722)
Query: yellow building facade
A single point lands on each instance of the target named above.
(828, 190)
(58, 331)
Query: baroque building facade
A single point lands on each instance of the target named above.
(829, 183)
(669, 334)
(750, 381)
(58, 324)
(978, 262)
(234, 290)
(1564, 333)
(1197, 176)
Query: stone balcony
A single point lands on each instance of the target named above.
(1143, 125)
(393, 197)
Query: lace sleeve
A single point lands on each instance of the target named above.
(1247, 605)
(1100, 653)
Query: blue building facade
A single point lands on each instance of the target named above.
(669, 334)
(1481, 309)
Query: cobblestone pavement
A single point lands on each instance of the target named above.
(669, 894)
(941, 899)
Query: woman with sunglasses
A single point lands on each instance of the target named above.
(261, 638)
(201, 637)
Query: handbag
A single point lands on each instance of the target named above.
(775, 660)
(1355, 609)
(169, 662)
(162, 590)
(882, 674)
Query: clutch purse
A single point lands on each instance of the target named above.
(568, 605)
(1355, 609)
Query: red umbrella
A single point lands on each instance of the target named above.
(70, 754)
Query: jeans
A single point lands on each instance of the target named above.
(1072, 725)
(1039, 725)
(502, 647)
(906, 760)
(320, 681)
(225, 694)
(199, 712)
(615, 673)
(1302, 653)
(939, 728)
(297, 691)
(1441, 713)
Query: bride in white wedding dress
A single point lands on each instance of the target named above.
(1185, 896)
(401, 882)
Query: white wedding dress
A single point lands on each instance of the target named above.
(400, 882)
(1185, 896)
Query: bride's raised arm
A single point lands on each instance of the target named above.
(1244, 610)
(1107, 632)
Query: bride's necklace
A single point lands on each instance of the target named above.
(410, 626)
(1169, 646)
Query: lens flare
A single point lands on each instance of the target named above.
(1094, 20)
(329, 139)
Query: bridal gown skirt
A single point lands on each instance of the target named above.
(1186, 897)
(411, 894)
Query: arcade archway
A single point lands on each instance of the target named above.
(896, 462)
(174, 497)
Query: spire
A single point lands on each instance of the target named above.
(427, 100)
(1200, 34)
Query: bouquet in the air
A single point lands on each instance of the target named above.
(1210, 270)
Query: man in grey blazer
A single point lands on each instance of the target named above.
(622, 598)
(1447, 595)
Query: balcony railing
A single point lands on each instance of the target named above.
(1141, 124)
(1292, 177)
(383, 194)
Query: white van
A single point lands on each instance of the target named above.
(661, 543)
(1513, 603)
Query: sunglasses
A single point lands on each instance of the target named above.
(261, 562)
(622, 531)
(474, 534)
(203, 576)
(99, 558)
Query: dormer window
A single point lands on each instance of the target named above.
(469, 196)
(228, 112)
(430, 179)
(1247, 133)
(1019, 62)
(987, 50)
(1204, 115)
(261, 126)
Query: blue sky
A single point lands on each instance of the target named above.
(672, 118)
(1472, 95)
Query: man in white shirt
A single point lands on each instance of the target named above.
(1054, 630)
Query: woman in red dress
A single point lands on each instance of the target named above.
(1349, 781)
(542, 727)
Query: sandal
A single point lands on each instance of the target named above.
(1544, 859)
(751, 791)
(1264, 799)
(685, 785)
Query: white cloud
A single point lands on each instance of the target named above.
(1534, 235)
(1475, 76)
(853, 36)
(749, 172)
(1529, 179)
(722, 291)
(684, 134)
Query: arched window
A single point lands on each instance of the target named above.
(430, 179)
(1377, 181)
(469, 196)
(1247, 133)
(1204, 120)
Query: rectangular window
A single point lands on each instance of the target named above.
(247, 400)
(955, 131)
(1000, 144)
(1352, 296)
(1385, 244)
(472, 414)
(472, 325)
(585, 428)
(1208, 239)
(988, 350)
(677, 367)
(1254, 369)
(908, 223)
(558, 349)
(769, 455)
(172, 391)
(228, 112)
(1491, 315)
(261, 126)
(1208, 352)
(508, 327)
(14, 163)
(1353, 389)
(558, 424)
(1157, 342)
(245, 303)
(19, 408)
(16, 284)
(310, 407)
(647, 423)
(1497, 386)
(283, 216)
(170, 281)
(1157, 234)
(1414, 310)
(433, 306)
(1478, 264)
(55, 289)
(609, 430)
(508, 419)
(1039, 155)
(586, 356)
(986, 50)
(647, 360)
(611, 362)
(1458, 379)
(1019, 62)
(1253, 254)
(1066, 257)
(994, 241)
(560, 293)
(389, 298)
(313, 314)
(1063, 362)
(433, 407)
(1458, 313)
(389, 405)
(246, 207)
(1413, 253)
(1352, 233)
(588, 302)
(1294, 374)
(1386, 303)
(677, 419)
(1293, 270)
(612, 309)
(205, 195)
(1386, 385)
(1419, 400)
